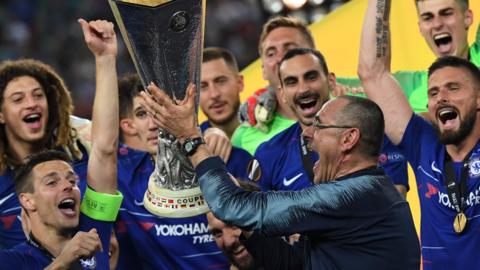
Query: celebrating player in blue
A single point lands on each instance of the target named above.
(285, 162)
(148, 241)
(65, 232)
(445, 153)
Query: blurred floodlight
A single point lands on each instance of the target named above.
(317, 14)
(294, 4)
(316, 2)
(273, 6)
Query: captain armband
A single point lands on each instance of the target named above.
(101, 206)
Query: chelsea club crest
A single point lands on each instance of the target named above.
(474, 166)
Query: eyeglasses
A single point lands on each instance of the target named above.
(319, 125)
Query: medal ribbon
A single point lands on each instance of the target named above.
(456, 190)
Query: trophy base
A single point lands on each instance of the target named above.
(174, 204)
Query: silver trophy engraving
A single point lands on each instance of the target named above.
(165, 40)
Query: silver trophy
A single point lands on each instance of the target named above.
(165, 40)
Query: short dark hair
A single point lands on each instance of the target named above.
(367, 116)
(129, 87)
(23, 174)
(456, 62)
(214, 53)
(282, 21)
(302, 51)
(463, 3)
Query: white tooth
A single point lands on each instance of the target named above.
(32, 116)
(441, 36)
(445, 111)
(68, 201)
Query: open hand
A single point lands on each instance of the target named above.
(178, 117)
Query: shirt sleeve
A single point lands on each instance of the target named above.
(419, 136)
(475, 49)
(104, 230)
(394, 163)
(319, 208)
(261, 173)
(274, 252)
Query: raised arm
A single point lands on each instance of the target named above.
(374, 70)
(102, 164)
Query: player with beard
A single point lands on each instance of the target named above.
(305, 85)
(444, 24)
(64, 234)
(148, 241)
(279, 35)
(284, 162)
(445, 156)
(220, 87)
(227, 237)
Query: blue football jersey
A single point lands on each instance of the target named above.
(393, 163)
(279, 164)
(11, 232)
(158, 242)
(237, 165)
(442, 248)
(25, 256)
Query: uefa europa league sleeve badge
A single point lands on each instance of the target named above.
(165, 40)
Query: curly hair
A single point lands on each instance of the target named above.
(59, 132)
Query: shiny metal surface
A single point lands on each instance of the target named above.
(165, 40)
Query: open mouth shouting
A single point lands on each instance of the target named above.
(308, 104)
(448, 118)
(444, 42)
(68, 207)
(33, 120)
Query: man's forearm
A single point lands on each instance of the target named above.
(374, 70)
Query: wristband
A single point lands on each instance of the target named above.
(101, 206)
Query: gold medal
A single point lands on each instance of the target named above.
(460, 222)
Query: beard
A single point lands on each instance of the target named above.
(227, 119)
(455, 137)
(248, 264)
(294, 107)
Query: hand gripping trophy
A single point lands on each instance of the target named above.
(165, 40)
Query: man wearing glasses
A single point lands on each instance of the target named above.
(353, 217)
(285, 162)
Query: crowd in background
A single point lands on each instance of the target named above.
(47, 30)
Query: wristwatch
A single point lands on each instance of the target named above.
(190, 145)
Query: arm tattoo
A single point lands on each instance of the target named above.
(382, 27)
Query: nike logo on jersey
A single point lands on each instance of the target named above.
(435, 169)
(4, 199)
(288, 182)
